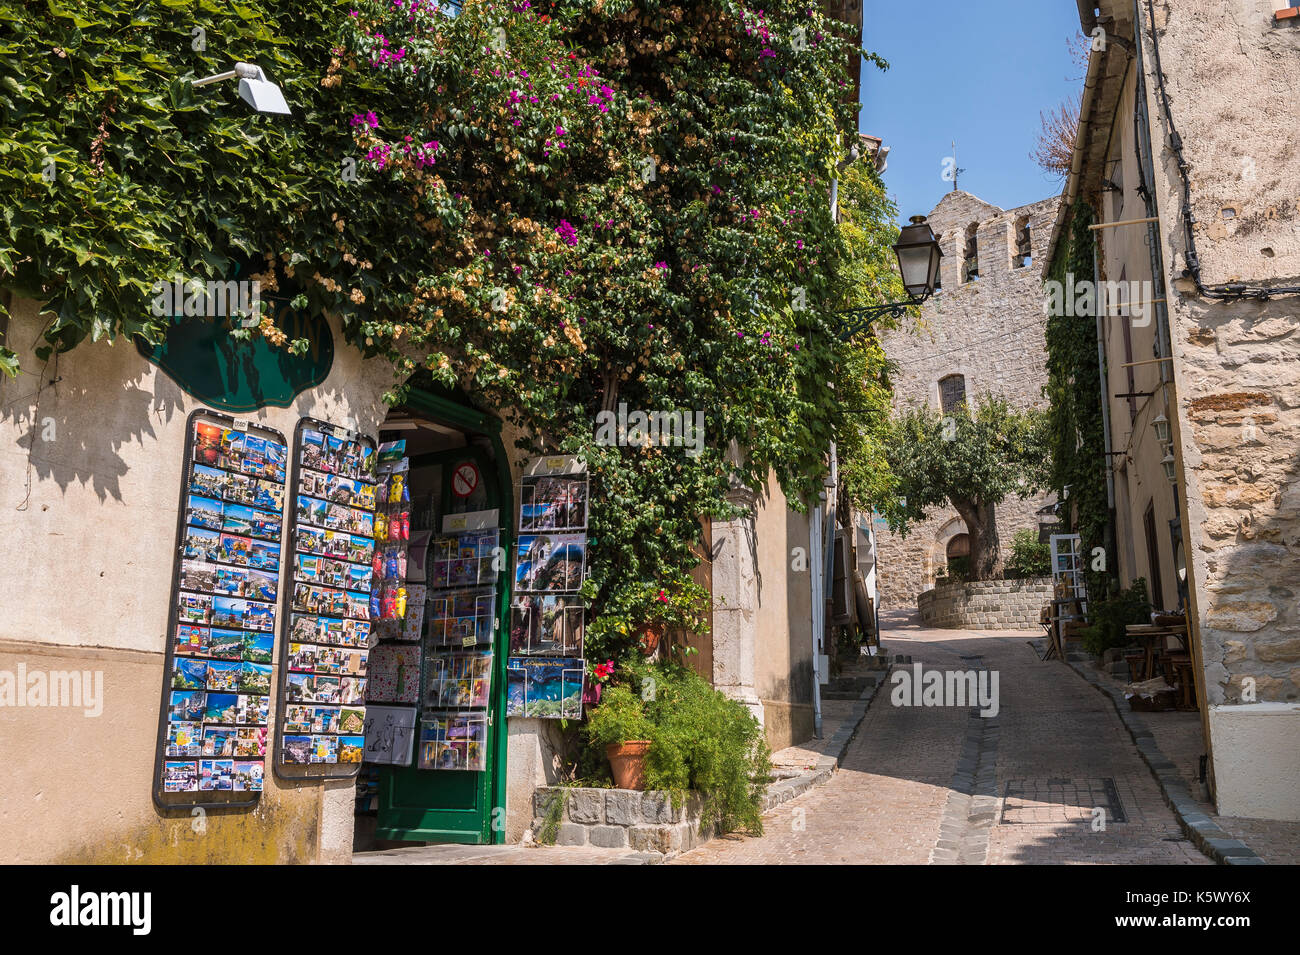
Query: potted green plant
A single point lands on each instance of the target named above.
(620, 725)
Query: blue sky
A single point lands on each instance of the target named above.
(977, 71)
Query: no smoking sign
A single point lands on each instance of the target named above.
(464, 479)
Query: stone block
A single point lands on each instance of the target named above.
(586, 806)
(651, 838)
(657, 807)
(622, 807)
(570, 834)
(607, 837)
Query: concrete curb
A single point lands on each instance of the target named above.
(1216, 843)
(787, 789)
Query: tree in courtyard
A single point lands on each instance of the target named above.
(970, 460)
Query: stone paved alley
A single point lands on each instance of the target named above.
(938, 785)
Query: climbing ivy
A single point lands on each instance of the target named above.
(559, 207)
(1075, 432)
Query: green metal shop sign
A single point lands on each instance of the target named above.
(201, 356)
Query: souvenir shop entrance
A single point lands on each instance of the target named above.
(436, 748)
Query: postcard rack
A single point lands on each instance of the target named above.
(545, 668)
(462, 566)
(326, 614)
(212, 723)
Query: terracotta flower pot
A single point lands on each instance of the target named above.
(651, 634)
(628, 762)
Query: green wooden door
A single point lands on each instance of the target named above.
(430, 805)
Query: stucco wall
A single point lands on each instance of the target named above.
(991, 332)
(90, 517)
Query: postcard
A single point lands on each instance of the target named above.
(268, 495)
(264, 555)
(258, 647)
(189, 674)
(359, 550)
(254, 459)
(312, 511)
(203, 512)
(239, 489)
(351, 748)
(250, 741)
(231, 581)
(253, 710)
(309, 540)
(299, 688)
(325, 689)
(228, 612)
(207, 481)
(191, 639)
(352, 690)
(302, 657)
(234, 550)
(237, 519)
(248, 775)
(221, 708)
(180, 777)
(184, 739)
(207, 442)
(259, 616)
(196, 608)
(550, 562)
(296, 749)
(544, 687)
(262, 585)
(352, 720)
(324, 749)
(226, 644)
(216, 774)
(255, 678)
(201, 544)
(219, 741)
(324, 719)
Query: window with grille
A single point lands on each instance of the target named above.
(952, 392)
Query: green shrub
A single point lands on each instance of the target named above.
(701, 741)
(1030, 557)
(619, 718)
(1112, 614)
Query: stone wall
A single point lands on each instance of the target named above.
(991, 332)
(986, 604)
(620, 819)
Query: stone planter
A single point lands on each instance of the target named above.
(622, 819)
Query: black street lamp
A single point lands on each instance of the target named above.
(918, 262)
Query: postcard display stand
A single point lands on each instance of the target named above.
(393, 690)
(321, 710)
(461, 569)
(544, 672)
(221, 629)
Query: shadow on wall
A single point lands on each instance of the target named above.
(73, 416)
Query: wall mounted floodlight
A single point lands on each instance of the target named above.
(254, 88)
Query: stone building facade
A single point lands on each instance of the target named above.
(982, 332)
(1188, 122)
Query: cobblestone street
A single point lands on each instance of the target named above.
(942, 785)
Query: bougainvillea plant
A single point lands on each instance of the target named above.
(562, 208)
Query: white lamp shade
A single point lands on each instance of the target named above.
(263, 95)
